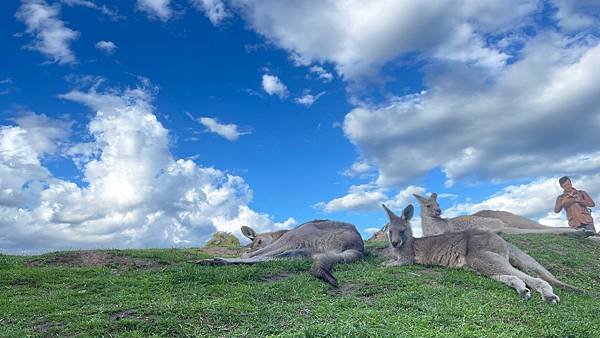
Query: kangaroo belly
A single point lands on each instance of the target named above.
(448, 251)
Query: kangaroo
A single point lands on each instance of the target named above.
(327, 242)
(482, 251)
(505, 222)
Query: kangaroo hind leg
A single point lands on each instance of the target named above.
(493, 264)
(515, 283)
(524, 262)
(322, 263)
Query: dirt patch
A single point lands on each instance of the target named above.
(224, 251)
(278, 277)
(347, 289)
(97, 258)
(41, 325)
(362, 291)
(122, 315)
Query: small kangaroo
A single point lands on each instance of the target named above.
(327, 242)
(505, 222)
(482, 251)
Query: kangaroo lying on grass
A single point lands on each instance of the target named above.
(433, 223)
(482, 251)
(327, 242)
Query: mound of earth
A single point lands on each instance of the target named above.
(379, 235)
(223, 239)
(96, 258)
(511, 220)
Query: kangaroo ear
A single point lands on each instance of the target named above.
(249, 232)
(433, 196)
(421, 199)
(389, 213)
(408, 212)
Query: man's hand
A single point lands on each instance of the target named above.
(567, 201)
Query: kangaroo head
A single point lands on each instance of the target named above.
(260, 240)
(429, 206)
(398, 228)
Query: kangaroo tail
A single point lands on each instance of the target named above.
(323, 263)
(523, 261)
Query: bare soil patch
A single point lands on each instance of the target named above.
(97, 258)
(122, 315)
(41, 325)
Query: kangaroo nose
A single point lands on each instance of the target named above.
(394, 243)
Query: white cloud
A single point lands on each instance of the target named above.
(156, 9)
(228, 131)
(308, 99)
(273, 86)
(107, 47)
(364, 197)
(111, 13)
(534, 200)
(136, 193)
(321, 73)
(361, 37)
(359, 168)
(21, 147)
(52, 37)
(513, 125)
(577, 15)
(214, 10)
(369, 197)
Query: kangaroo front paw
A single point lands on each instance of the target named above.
(552, 299)
(525, 294)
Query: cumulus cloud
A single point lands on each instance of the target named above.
(513, 125)
(369, 197)
(51, 37)
(228, 131)
(383, 30)
(308, 99)
(273, 86)
(136, 193)
(107, 47)
(534, 200)
(214, 10)
(156, 9)
(364, 197)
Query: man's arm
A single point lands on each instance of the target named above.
(587, 200)
(558, 206)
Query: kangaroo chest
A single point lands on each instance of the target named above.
(445, 251)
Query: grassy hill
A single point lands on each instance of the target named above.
(140, 293)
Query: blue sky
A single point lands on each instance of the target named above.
(158, 122)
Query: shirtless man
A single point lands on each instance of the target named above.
(576, 204)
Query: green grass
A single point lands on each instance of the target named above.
(175, 298)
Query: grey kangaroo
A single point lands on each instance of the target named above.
(327, 242)
(482, 251)
(496, 221)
